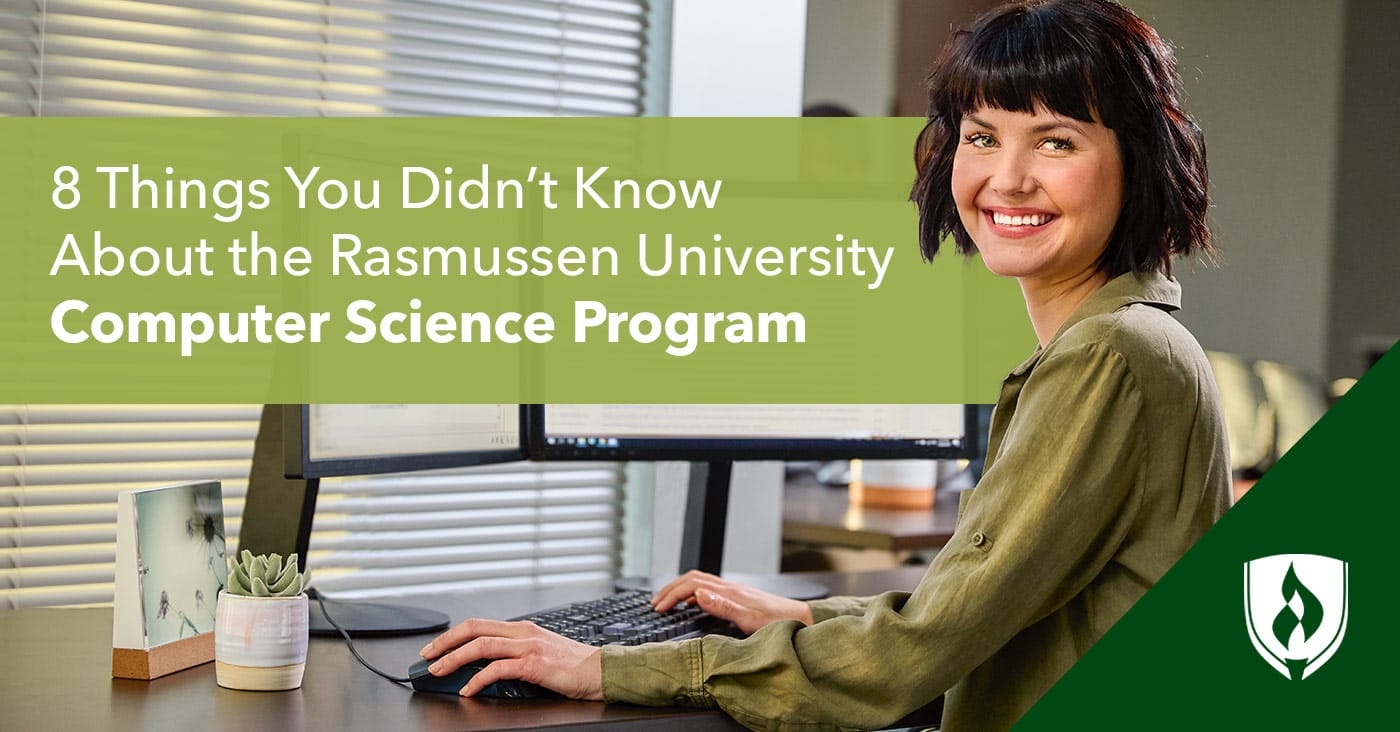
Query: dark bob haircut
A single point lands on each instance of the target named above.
(1076, 58)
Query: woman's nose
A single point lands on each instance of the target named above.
(1012, 175)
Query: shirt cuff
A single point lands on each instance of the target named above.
(833, 607)
(655, 674)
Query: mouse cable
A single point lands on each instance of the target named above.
(351, 644)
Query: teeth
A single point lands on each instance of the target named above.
(1031, 220)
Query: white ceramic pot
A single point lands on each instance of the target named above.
(260, 642)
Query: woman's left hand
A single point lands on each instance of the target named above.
(747, 607)
(519, 650)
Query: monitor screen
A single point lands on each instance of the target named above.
(358, 439)
(750, 431)
(298, 444)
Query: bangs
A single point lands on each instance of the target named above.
(1022, 61)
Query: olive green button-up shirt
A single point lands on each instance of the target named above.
(1107, 460)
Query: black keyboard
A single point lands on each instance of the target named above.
(628, 618)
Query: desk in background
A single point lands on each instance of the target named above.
(819, 515)
(56, 674)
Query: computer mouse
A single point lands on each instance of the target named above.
(423, 680)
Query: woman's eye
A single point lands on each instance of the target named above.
(979, 139)
(1057, 144)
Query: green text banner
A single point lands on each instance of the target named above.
(475, 260)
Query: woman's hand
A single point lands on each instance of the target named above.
(520, 650)
(741, 605)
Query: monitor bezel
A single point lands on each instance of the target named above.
(757, 449)
(296, 444)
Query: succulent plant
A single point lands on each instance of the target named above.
(264, 575)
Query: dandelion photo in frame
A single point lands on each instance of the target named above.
(181, 559)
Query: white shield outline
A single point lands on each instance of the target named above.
(1265, 646)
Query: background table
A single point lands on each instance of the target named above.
(820, 515)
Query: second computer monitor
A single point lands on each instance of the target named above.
(707, 432)
(359, 439)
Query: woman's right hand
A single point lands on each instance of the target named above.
(744, 606)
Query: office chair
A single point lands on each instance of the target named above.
(1299, 400)
(1249, 418)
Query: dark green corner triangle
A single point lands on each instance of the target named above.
(1182, 657)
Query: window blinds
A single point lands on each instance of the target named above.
(327, 57)
(488, 527)
(62, 466)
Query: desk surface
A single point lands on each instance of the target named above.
(56, 673)
(818, 514)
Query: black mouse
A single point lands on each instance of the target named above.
(423, 680)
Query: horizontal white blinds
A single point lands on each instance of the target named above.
(61, 468)
(321, 57)
(492, 526)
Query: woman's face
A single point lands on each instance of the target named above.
(1038, 193)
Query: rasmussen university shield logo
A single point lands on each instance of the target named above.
(1295, 606)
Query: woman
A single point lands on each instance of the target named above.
(1057, 148)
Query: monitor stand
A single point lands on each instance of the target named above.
(277, 518)
(361, 619)
(357, 618)
(702, 539)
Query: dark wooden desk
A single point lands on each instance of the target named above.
(823, 516)
(55, 673)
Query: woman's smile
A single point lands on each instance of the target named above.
(1016, 223)
(1039, 193)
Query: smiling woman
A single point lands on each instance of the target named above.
(1040, 194)
(1057, 147)
(1119, 76)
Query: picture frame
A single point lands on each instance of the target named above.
(170, 567)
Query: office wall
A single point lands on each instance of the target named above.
(1264, 78)
(850, 57)
(1366, 256)
(923, 29)
(735, 58)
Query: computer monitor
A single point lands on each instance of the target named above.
(712, 436)
(750, 431)
(299, 444)
(325, 440)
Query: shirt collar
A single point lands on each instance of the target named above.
(1149, 288)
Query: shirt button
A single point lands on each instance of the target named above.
(978, 538)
